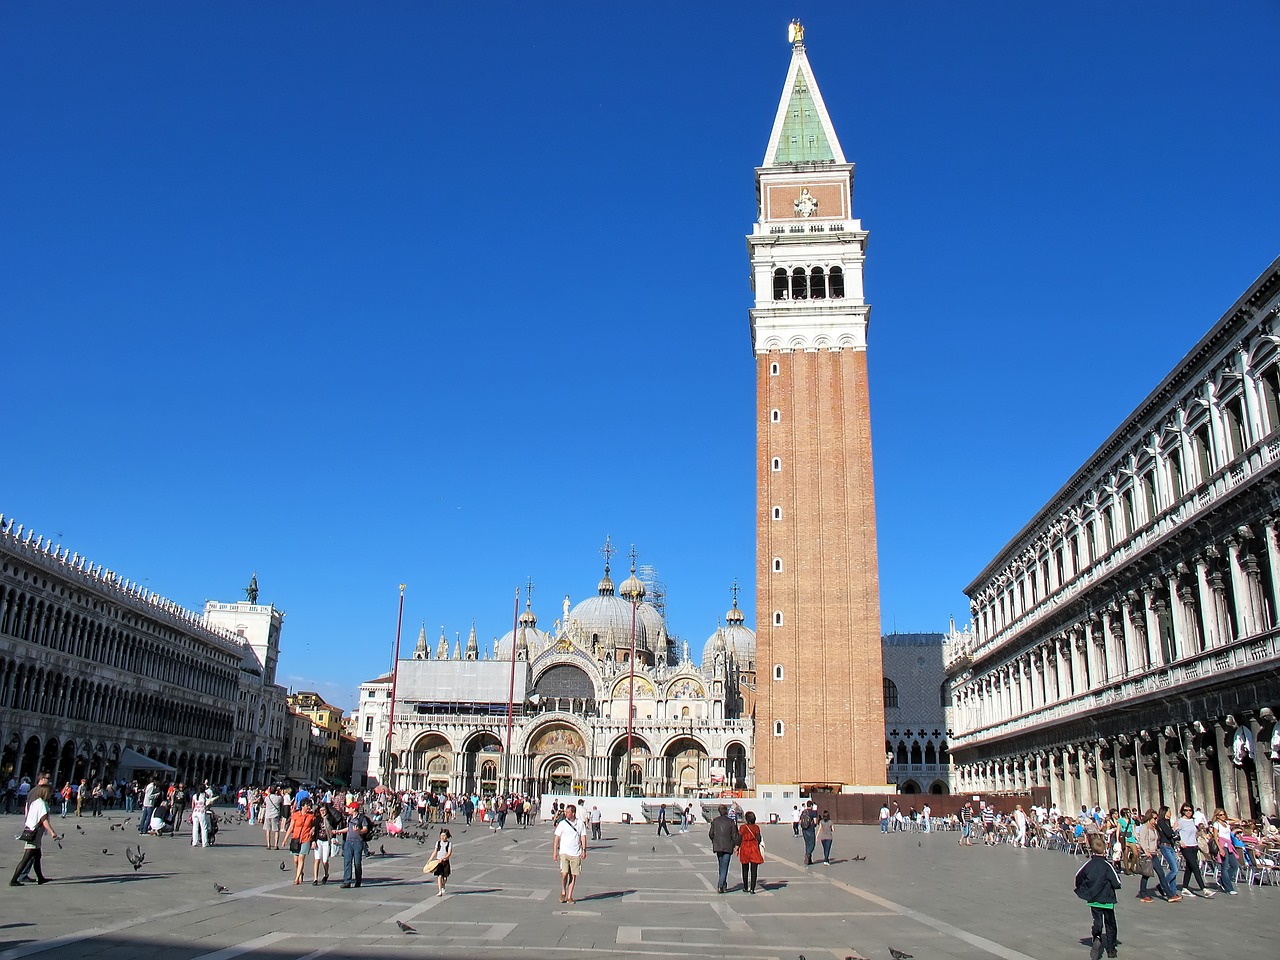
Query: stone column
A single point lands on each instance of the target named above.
(1186, 626)
(1033, 675)
(1200, 756)
(1146, 757)
(1259, 615)
(1262, 727)
(1113, 645)
(1240, 590)
(1222, 736)
(1218, 592)
(1094, 639)
(1133, 623)
(1273, 561)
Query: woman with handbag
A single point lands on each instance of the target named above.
(326, 823)
(302, 833)
(439, 862)
(1228, 863)
(34, 827)
(750, 845)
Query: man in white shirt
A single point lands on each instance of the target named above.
(569, 849)
(596, 818)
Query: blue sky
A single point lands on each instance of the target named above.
(360, 294)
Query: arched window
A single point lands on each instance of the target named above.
(777, 618)
(775, 464)
(1270, 383)
(944, 695)
(799, 286)
(917, 757)
(775, 415)
(817, 284)
(777, 513)
(902, 754)
(777, 671)
(773, 369)
(777, 564)
(780, 284)
(836, 277)
(777, 728)
(930, 754)
(890, 693)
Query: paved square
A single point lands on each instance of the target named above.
(640, 896)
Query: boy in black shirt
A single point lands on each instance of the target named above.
(1096, 884)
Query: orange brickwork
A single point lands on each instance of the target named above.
(830, 697)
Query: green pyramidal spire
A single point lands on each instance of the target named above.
(802, 131)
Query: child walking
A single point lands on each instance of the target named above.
(1096, 884)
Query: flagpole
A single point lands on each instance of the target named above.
(395, 674)
(511, 691)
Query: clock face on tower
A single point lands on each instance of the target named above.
(806, 205)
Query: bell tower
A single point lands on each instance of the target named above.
(819, 689)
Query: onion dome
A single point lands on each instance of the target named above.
(529, 639)
(607, 619)
(735, 638)
(632, 588)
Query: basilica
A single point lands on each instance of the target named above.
(606, 703)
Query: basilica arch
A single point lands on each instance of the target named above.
(430, 762)
(685, 767)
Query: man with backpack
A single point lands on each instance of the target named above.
(809, 831)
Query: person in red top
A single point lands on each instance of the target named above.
(750, 841)
(302, 832)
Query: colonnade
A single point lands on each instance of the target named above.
(1222, 592)
(1201, 761)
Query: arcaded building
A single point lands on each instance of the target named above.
(819, 709)
(98, 672)
(1126, 648)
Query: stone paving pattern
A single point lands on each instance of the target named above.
(640, 896)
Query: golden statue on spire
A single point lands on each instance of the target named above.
(795, 32)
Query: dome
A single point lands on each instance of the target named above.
(607, 618)
(535, 641)
(735, 638)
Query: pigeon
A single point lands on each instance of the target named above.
(654, 849)
(382, 851)
(220, 888)
(136, 861)
(404, 927)
(284, 865)
(919, 843)
(898, 954)
(80, 828)
(859, 859)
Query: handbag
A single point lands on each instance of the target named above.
(430, 865)
(295, 846)
(28, 835)
(1146, 868)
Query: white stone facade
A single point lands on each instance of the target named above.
(568, 733)
(1126, 643)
